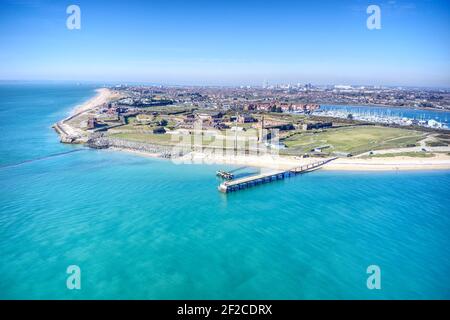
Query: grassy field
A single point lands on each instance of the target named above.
(163, 139)
(440, 140)
(353, 140)
(134, 133)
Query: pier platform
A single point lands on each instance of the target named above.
(225, 175)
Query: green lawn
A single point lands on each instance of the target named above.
(168, 139)
(354, 140)
(163, 139)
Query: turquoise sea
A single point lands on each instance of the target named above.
(142, 228)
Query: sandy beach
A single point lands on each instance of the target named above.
(438, 162)
(103, 96)
(72, 134)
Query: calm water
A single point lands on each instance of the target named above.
(440, 116)
(144, 228)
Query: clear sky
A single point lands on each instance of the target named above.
(228, 42)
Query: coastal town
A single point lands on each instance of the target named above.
(251, 123)
(284, 96)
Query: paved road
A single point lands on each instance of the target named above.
(411, 149)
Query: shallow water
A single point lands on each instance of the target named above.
(144, 228)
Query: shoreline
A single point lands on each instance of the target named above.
(71, 134)
(102, 96)
(283, 163)
(399, 163)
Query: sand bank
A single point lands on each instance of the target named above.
(103, 96)
(438, 162)
(73, 134)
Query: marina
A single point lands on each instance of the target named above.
(388, 115)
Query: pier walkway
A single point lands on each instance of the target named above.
(251, 181)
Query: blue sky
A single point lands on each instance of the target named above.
(227, 42)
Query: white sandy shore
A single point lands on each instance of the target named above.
(103, 96)
(438, 162)
(69, 132)
(268, 161)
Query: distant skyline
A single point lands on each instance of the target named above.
(227, 42)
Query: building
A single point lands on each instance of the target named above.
(92, 123)
(211, 117)
(320, 149)
(221, 126)
(246, 118)
(189, 118)
(317, 125)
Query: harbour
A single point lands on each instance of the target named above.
(388, 115)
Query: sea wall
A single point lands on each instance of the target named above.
(107, 142)
(64, 136)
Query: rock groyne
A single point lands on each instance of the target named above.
(102, 142)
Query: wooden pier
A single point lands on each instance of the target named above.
(251, 181)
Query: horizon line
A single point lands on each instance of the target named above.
(134, 82)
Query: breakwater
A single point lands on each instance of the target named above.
(107, 142)
(40, 158)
